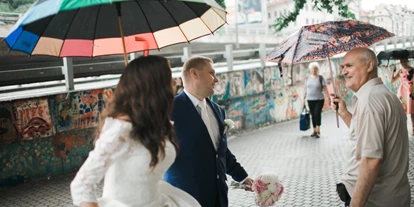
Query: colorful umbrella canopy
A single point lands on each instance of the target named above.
(326, 39)
(86, 28)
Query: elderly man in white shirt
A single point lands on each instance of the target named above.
(377, 163)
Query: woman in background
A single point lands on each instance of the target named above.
(405, 90)
(314, 94)
(135, 143)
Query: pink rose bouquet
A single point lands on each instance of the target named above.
(268, 189)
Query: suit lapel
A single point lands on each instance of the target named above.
(194, 116)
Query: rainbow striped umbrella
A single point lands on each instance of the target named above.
(91, 28)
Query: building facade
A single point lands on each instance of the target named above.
(394, 18)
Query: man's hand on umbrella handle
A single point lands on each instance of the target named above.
(338, 104)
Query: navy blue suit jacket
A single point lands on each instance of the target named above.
(199, 169)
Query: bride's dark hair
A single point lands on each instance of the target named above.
(144, 95)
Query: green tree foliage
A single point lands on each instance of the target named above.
(321, 5)
(18, 6)
(221, 3)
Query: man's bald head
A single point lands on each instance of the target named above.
(366, 56)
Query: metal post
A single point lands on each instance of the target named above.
(132, 56)
(262, 54)
(237, 27)
(229, 56)
(67, 70)
(404, 39)
(186, 54)
(395, 42)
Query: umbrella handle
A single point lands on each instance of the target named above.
(337, 116)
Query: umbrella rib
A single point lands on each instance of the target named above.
(146, 19)
(174, 21)
(64, 38)
(94, 31)
(296, 46)
(199, 17)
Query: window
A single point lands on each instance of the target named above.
(269, 15)
(284, 11)
(275, 14)
(307, 21)
(313, 21)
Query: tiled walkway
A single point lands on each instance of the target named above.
(309, 168)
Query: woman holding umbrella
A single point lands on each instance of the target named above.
(405, 91)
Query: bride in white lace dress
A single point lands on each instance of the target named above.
(134, 149)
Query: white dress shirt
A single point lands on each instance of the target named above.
(208, 118)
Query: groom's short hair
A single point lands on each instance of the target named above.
(196, 62)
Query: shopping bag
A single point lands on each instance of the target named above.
(304, 122)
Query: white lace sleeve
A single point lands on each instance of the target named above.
(110, 146)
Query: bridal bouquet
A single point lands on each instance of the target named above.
(228, 124)
(268, 189)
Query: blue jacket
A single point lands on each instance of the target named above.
(198, 169)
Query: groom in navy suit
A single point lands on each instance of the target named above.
(203, 161)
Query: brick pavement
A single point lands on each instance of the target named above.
(309, 168)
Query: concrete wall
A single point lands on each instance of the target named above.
(52, 135)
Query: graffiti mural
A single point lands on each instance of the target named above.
(272, 79)
(236, 83)
(253, 81)
(281, 105)
(67, 143)
(81, 109)
(33, 118)
(72, 147)
(295, 103)
(235, 112)
(386, 73)
(300, 72)
(222, 88)
(28, 159)
(8, 130)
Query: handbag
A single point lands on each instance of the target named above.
(304, 122)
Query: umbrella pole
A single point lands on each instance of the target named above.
(333, 85)
(121, 31)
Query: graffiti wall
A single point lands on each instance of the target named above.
(33, 118)
(79, 110)
(262, 96)
(48, 136)
(8, 129)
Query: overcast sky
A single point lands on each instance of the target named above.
(370, 4)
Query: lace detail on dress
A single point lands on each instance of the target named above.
(111, 146)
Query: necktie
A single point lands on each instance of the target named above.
(202, 110)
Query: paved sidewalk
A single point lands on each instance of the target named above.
(309, 168)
